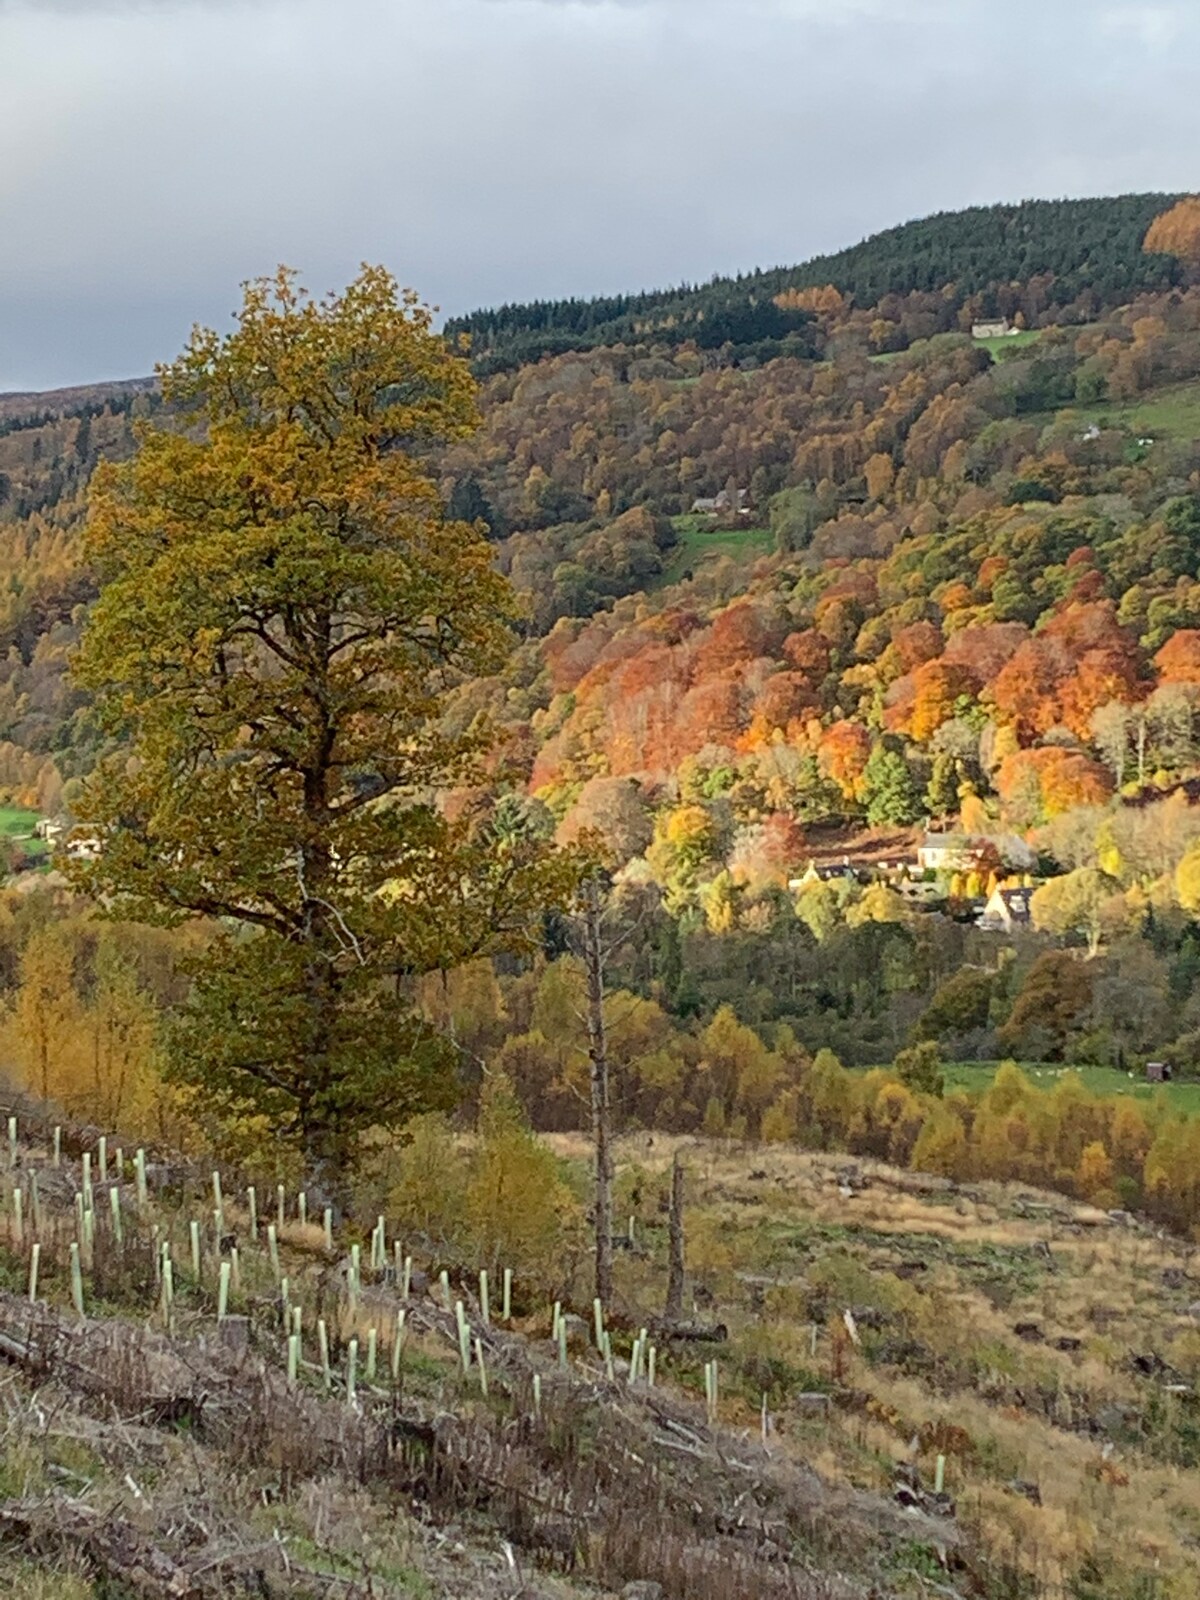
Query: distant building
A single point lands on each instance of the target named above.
(51, 829)
(996, 328)
(1006, 910)
(949, 852)
(723, 504)
(1090, 433)
(825, 872)
(1158, 1072)
(83, 845)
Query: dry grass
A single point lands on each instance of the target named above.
(207, 1466)
(1103, 1431)
(425, 1487)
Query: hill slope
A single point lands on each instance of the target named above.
(1087, 247)
(155, 1446)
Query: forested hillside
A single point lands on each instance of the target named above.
(1055, 260)
(793, 610)
(765, 733)
(49, 447)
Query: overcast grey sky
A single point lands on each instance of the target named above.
(155, 153)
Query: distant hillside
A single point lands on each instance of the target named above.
(587, 466)
(20, 406)
(1086, 248)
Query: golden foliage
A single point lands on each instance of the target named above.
(283, 600)
(84, 1032)
(825, 301)
(1177, 232)
(498, 1198)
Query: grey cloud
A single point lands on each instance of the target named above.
(153, 156)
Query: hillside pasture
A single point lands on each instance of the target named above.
(997, 346)
(975, 1076)
(1172, 412)
(702, 543)
(1002, 1328)
(16, 827)
(17, 822)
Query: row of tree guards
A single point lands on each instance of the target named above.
(382, 1350)
(365, 1359)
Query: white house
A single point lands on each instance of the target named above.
(826, 872)
(995, 328)
(83, 845)
(722, 504)
(948, 852)
(1006, 910)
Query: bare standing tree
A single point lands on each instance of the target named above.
(673, 1310)
(591, 912)
(601, 925)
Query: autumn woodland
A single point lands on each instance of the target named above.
(783, 692)
(968, 604)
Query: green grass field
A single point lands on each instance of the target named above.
(16, 821)
(975, 1076)
(700, 544)
(1172, 413)
(1012, 341)
(16, 825)
(1009, 341)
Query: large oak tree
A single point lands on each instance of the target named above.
(284, 609)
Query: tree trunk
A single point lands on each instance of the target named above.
(674, 1307)
(328, 1151)
(593, 962)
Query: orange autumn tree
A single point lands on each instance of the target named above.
(740, 633)
(1179, 659)
(641, 703)
(1080, 659)
(781, 702)
(842, 755)
(1108, 664)
(1025, 690)
(808, 652)
(1176, 232)
(919, 703)
(983, 651)
(1037, 785)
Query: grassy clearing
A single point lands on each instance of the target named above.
(1012, 341)
(1072, 1448)
(975, 1076)
(1009, 341)
(17, 822)
(1172, 412)
(16, 827)
(700, 544)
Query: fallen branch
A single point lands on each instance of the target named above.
(688, 1332)
(111, 1544)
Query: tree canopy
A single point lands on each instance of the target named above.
(283, 608)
